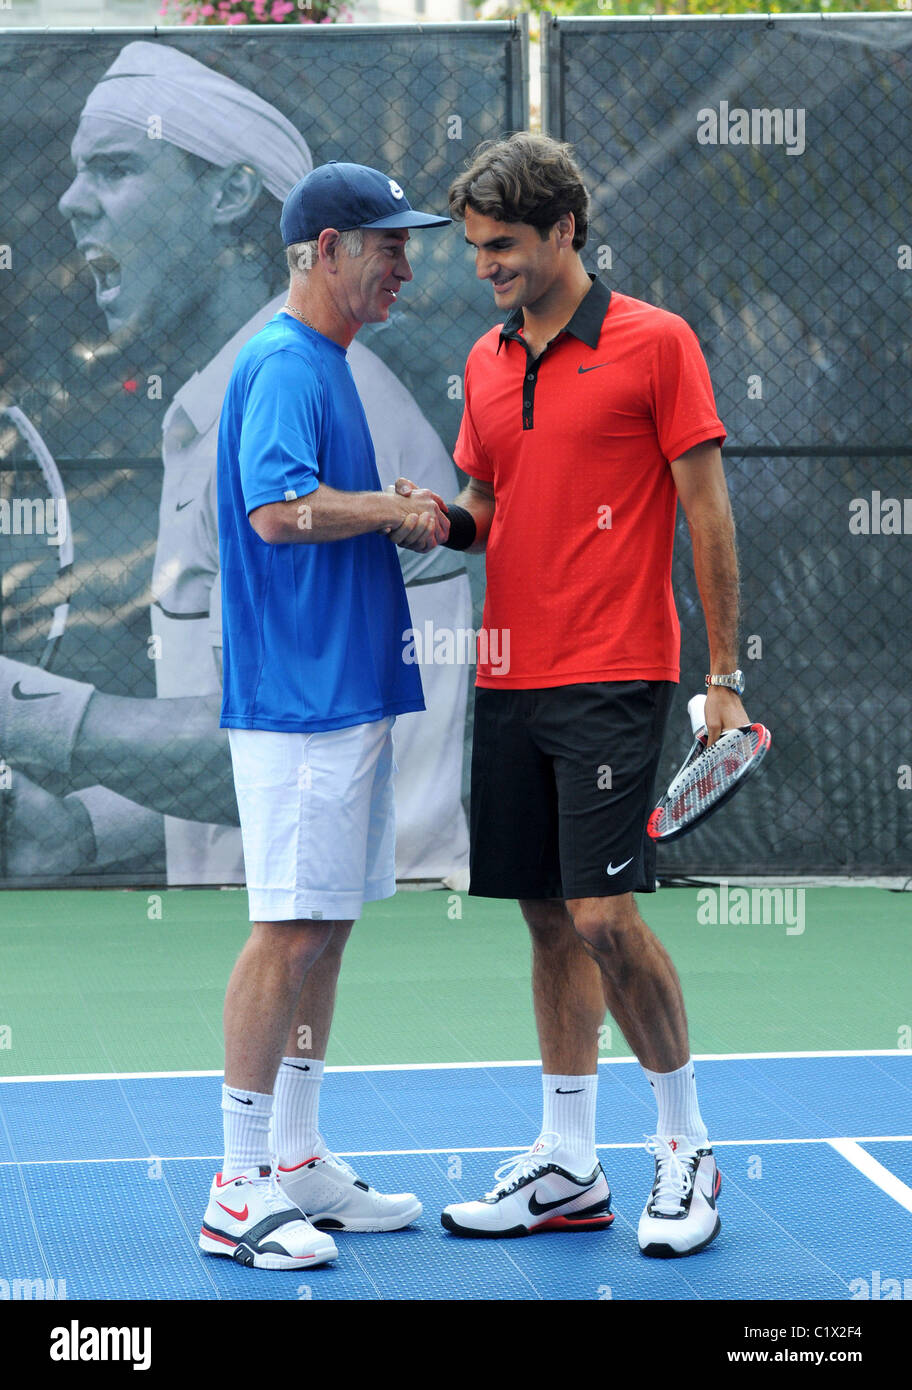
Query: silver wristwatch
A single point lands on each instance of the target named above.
(734, 681)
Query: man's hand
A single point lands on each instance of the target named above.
(405, 488)
(45, 835)
(40, 716)
(724, 710)
(424, 523)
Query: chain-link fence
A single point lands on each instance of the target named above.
(132, 269)
(748, 174)
(753, 175)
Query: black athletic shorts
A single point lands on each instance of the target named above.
(562, 788)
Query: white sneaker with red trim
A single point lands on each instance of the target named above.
(680, 1216)
(251, 1220)
(334, 1198)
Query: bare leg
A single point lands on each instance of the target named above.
(262, 993)
(314, 1010)
(566, 991)
(641, 986)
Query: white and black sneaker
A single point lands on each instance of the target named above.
(531, 1194)
(249, 1219)
(680, 1217)
(334, 1198)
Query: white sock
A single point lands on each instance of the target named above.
(676, 1097)
(245, 1119)
(295, 1118)
(568, 1109)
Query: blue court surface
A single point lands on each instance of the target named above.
(815, 1153)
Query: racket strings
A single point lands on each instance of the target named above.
(710, 775)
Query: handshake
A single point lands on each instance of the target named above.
(422, 521)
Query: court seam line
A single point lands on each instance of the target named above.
(875, 1172)
(460, 1149)
(459, 1066)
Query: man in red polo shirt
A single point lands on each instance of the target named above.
(588, 414)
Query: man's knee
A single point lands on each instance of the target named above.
(547, 920)
(297, 944)
(605, 925)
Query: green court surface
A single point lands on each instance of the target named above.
(111, 981)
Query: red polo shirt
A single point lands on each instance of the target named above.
(577, 444)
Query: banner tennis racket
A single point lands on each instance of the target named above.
(36, 544)
(36, 560)
(708, 777)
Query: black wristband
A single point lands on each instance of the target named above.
(462, 528)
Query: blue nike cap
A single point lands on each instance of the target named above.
(348, 196)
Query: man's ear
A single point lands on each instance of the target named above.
(329, 245)
(565, 228)
(235, 192)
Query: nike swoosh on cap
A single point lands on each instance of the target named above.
(612, 869)
(19, 694)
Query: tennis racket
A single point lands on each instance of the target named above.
(708, 777)
(36, 544)
(36, 559)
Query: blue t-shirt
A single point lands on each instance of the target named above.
(312, 632)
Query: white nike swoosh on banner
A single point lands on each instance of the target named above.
(612, 870)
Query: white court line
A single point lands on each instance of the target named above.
(888, 1182)
(461, 1066)
(463, 1149)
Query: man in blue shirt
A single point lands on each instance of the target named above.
(314, 612)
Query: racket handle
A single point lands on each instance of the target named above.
(695, 708)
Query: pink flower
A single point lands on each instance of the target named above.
(207, 10)
(237, 19)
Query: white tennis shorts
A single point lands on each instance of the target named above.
(317, 820)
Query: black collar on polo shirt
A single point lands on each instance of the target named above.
(586, 323)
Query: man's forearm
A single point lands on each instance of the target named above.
(716, 570)
(167, 754)
(326, 515)
(481, 507)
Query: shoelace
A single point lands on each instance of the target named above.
(513, 1170)
(338, 1162)
(674, 1178)
(274, 1199)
